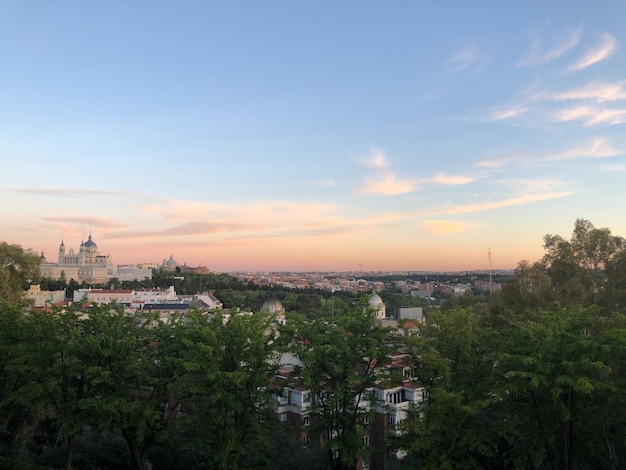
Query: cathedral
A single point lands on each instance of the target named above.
(85, 265)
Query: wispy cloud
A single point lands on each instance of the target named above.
(507, 113)
(376, 159)
(620, 167)
(606, 47)
(451, 180)
(543, 50)
(255, 220)
(85, 221)
(513, 201)
(72, 192)
(329, 183)
(469, 59)
(261, 212)
(389, 185)
(446, 227)
(591, 115)
(597, 148)
(594, 91)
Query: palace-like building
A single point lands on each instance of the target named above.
(85, 265)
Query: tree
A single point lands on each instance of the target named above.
(457, 427)
(17, 270)
(228, 366)
(529, 288)
(57, 375)
(342, 360)
(131, 372)
(576, 266)
(20, 412)
(558, 378)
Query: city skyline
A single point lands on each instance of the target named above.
(316, 137)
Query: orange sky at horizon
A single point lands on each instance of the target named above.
(441, 253)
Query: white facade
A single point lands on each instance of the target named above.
(132, 273)
(154, 296)
(85, 265)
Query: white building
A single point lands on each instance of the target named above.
(133, 272)
(87, 264)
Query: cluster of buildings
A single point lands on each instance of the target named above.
(351, 282)
(164, 301)
(88, 264)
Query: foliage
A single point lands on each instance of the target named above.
(17, 270)
(342, 359)
(455, 364)
(228, 365)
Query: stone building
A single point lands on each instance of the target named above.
(87, 264)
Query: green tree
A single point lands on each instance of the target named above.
(20, 411)
(576, 266)
(129, 366)
(456, 427)
(225, 392)
(17, 270)
(558, 378)
(57, 375)
(529, 288)
(342, 359)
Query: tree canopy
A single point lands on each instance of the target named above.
(17, 270)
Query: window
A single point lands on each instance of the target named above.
(305, 421)
(392, 420)
(306, 440)
(366, 441)
(283, 417)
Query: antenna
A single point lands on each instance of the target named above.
(490, 269)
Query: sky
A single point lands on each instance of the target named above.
(311, 136)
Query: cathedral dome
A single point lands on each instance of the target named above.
(90, 244)
(272, 306)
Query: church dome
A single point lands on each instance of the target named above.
(171, 261)
(272, 306)
(90, 244)
(376, 302)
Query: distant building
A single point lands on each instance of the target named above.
(42, 298)
(104, 296)
(378, 306)
(133, 272)
(410, 313)
(486, 286)
(85, 265)
(170, 264)
(274, 308)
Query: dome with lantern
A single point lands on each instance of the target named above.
(377, 305)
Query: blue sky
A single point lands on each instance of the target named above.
(311, 136)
